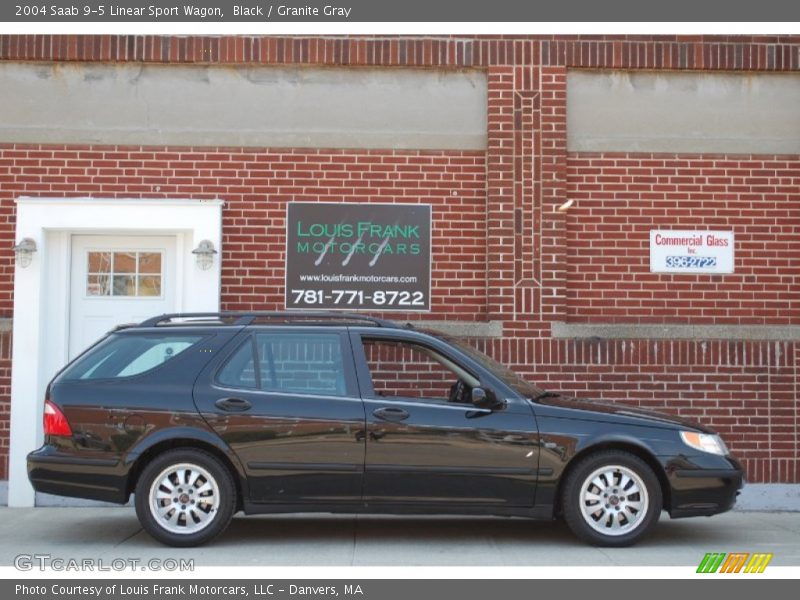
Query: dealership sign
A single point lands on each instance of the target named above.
(358, 256)
(691, 251)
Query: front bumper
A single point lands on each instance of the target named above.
(67, 474)
(704, 491)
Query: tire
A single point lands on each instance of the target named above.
(595, 507)
(185, 497)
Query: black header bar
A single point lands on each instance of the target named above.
(339, 11)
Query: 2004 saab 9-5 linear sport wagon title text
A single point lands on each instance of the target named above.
(248, 11)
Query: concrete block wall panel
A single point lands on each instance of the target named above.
(711, 112)
(502, 253)
(242, 105)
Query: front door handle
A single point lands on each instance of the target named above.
(233, 404)
(391, 413)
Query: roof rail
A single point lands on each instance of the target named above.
(122, 326)
(243, 318)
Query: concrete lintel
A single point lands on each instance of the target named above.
(488, 329)
(619, 331)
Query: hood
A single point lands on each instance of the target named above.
(617, 412)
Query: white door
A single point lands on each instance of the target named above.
(118, 279)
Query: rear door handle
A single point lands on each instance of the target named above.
(391, 413)
(233, 404)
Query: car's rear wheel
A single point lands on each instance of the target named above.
(185, 497)
(611, 498)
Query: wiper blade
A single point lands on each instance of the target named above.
(544, 395)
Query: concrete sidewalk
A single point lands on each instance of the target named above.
(110, 533)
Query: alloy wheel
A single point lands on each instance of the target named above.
(184, 498)
(613, 500)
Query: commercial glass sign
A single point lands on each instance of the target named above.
(358, 256)
(673, 251)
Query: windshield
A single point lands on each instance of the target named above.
(499, 370)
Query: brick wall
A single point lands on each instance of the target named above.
(621, 197)
(707, 52)
(256, 184)
(746, 390)
(500, 250)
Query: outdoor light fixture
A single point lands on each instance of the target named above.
(205, 252)
(24, 252)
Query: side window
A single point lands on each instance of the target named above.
(301, 363)
(127, 355)
(240, 370)
(408, 370)
(154, 356)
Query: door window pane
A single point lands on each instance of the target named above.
(124, 273)
(301, 363)
(406, 370)
(124, 262)
(124, 285)
(98, 285)
(149, 285)
(99, 262)
(240, 370)
(149, 262)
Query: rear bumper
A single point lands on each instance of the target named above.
(705, 492)
(66, 474)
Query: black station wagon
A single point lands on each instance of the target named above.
(204, 415)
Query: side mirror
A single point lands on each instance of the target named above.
(483, 398)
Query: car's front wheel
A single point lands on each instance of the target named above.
(185, 497)
(611, 498)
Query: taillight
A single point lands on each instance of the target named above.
(55, 423)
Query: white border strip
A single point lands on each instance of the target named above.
(263, 574)
(403, 28)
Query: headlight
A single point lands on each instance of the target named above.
(705, 442)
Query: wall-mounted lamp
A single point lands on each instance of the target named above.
(565, 207)
(24, 252)
(205, 252)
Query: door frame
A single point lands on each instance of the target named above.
(42, 292)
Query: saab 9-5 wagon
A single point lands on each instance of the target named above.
(204, 415)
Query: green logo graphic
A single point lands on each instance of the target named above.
(735, 562)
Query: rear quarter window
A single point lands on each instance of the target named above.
(128, 355)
